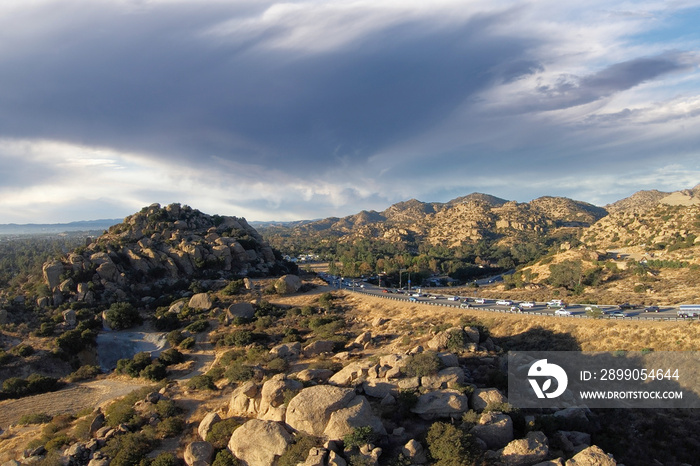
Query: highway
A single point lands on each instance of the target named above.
(503, 306)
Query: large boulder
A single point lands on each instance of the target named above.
(198, 454)
(441, 341)
(259, 443)
(318, 347)
(245, 400)
(201, 301)
(288, 284)
(358, 413)
(272, 397)
(440, 404)
(352, 374)
(525, 451)
(446, 378)
(330, 412)
(206, 424)
(483, 397)
(286, 350)
(242, 310)
(591, 456)
(494, 429)
(52, 274)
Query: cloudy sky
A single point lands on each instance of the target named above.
(316, 108)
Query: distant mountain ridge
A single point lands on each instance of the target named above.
(53, 228)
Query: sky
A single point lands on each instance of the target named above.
(313, 108)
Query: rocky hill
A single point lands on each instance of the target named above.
(155, 248)
(466, 219)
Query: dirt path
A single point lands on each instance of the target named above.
(71, 399)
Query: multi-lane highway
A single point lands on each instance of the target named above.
(553, 308)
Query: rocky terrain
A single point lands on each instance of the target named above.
(157, 248)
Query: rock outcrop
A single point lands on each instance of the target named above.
(160, 245)
(259, 443)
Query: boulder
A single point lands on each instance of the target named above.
(482, 397)
(414, 451)
(440, 404)
(525, 451)
(494, 429)
(201, 301)
(376, 388)
(363, 338)
(472, 334)
(591, 456)
(242, 310)
(286, 351)
(206, 424)
(198, 454)
(555, 462)
(69, 317)
(288, 284)
(314, 375)
(272, 397)
(446, 378)
(259, 443)
(318, 347)
(357, 413)
(108, 271)
(177, 307)
(311, 409)
(353, 373)
(317, 457)
(441, 341)
(52, 274)
(334, 459)
(245, 400)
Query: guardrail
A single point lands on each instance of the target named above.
(508, 311)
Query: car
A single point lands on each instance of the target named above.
(527, 304)
(385, 291)
(504, 302)
(465, 305)
(562, 312)
(480, 301)
(651, 309)
(412, 299)
(556, 303)
(453, 298)
(516, 309)
(625, 306)
(617, 314)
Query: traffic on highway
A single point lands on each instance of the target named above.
(554, 307)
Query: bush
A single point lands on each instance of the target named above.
(450, 446)
(174, 338)
(422, 364)
(22, 350)
(122, 315)
(84, 373)
(171, 427)
(171, 356)
(359, 436)
(39, 418)
(299, 451)
(201, 382)
(129, 449)
(155, 371)
(220, 433)
(225, 458)
(188, 343)
(238, 372)
(165, 459)
(239, 338)
(198, 326)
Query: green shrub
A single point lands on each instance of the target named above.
(225, 458)
(122, 315)
(198, 326)
(239, 338)
(38, 418)
(174, 338)
(233, 288)
(170, 427)
(171, 356)
(22, 350)
(84, 373)
(188, 343)
(165, 459)
(450, 446)
(155, 371)
(220, 433)
(238, 372)
(57, 442)
(130, 448)
(422, 364)
(359, 436)
(201, 382)
(299, 450)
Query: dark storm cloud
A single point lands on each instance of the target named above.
(572, 90)
(154, 82)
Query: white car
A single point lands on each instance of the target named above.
(527, 304)
(480, 301)
(504, 302)
(562, 312)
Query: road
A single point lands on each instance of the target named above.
(539, 308)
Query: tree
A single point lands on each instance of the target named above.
(122, 315)
(567, 274)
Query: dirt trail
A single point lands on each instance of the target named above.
(71, 399)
